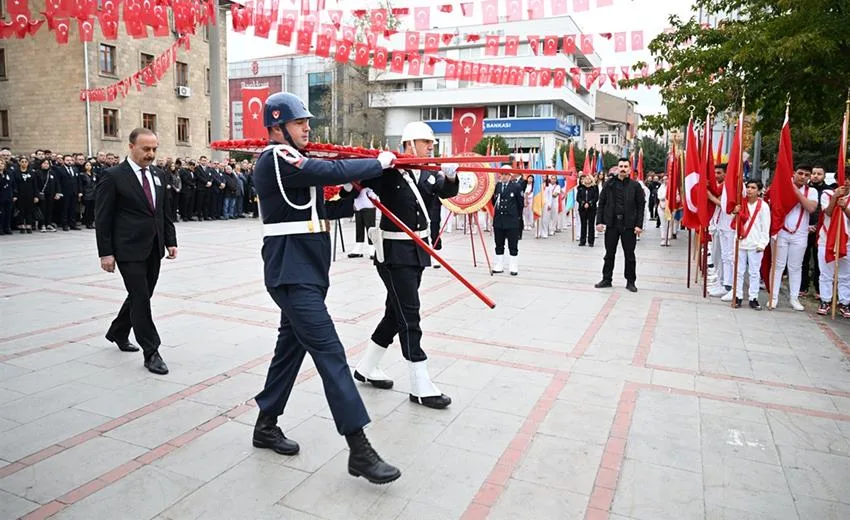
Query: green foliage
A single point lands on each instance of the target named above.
(769, 50)
(609, 160)
(654, 155)
(500, 146)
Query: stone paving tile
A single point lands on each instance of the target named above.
(561, 463)
(12, 506)
(64, 472)
(651, 492)
(33, 436)
(816, 475)
(526, 500)
(164, 424)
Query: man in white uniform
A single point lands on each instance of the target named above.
(833, 203)
(755, 235)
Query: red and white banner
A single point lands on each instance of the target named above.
(467, 128)
(253, 99)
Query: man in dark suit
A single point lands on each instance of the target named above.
(400, 263)
(133, 231)
(620, 215)
(508, 203)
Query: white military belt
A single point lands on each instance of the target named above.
(295, 228)
(399, 235)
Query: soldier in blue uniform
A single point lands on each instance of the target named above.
(508, 203)
(297, 256)
(400, 263)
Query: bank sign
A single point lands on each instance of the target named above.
(500, 126)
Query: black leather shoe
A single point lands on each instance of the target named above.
(631, 287)
(268, 435)
(355, 255)
(364, 461)
(156, 365)
(604, 284)
(438, 402)
(124, 345)
(383, 384)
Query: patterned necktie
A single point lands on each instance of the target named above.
(147, 187)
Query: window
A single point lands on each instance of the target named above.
(209, 131)
(183, 130)
(525, 111)
(207, 80)
(146, 59)
(436, 113)
(206, 33)
(110, 122)
(4, 124)
(470, 52)
(2, 63)
(608, 139)
(501, 111)
(417, 84)
(149, 122)
(107, 59)
(181, 72)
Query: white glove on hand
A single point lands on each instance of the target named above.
(371, 194)
(386, 159)
(450, 170)
(348, 186)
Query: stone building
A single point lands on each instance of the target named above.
(40, 83)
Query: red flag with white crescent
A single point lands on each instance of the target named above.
(253, 99)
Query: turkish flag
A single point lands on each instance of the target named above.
(484, 73)
(451, 69)
(411, 41)
(413, 63)
(569, 44)
(559, 7)
(343, 50)
(533, 76)
(62, 28)
(466, 71)
(253, 99)
(447, 38)
(361, 55)
(690, 216)
(380, 60)
(496, 74)
(428, 65)
(466, 8)
(490, 11)
(545, 77)
(371, 40)
(18, 7)
(575, 73)
(397, 64)
(432, 43)
(511, 45)
(612, 76)
(514, 8)
(378, 17)
(637, 40)
(534, 43)
(836, 234)
(336, 17)
(261, 27)
(491, 47)
(305, 40)
(781, 191)
(535, 9)
(626, 70)
(560, 78)
(348, 33)
(550, 45)
(467, 128)
(284, 32)
(587, 44)
(620, 42)
(422, 18)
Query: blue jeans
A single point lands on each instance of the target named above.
(229, 207)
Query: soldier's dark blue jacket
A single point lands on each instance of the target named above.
(508, 203)
(303, 258)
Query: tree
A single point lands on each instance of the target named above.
(353, 119)
(609, 160)
(497, 142)
(654, 155)
(766, 49)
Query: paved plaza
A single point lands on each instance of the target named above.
(568, 402)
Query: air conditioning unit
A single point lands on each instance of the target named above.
(184, 91)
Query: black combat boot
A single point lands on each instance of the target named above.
(365, 462)
(268, 435)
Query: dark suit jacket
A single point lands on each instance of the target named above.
(126, 228)
(634, 203)
(587, 195)
(507, 214)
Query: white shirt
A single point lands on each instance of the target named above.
(138, 171)
(824, 201)
(759, 235)
(793, 216)
(724, 220)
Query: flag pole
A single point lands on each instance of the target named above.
(773, 254)
(690, 247)
(840, 224)
(738, 189)
(705, 270)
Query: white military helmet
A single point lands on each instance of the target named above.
(417, 130)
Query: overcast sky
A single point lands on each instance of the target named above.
(651, 16)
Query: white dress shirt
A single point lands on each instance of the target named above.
(138, 171)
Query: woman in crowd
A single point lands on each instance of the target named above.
(47, 184)
(88, 179)
(26, 191)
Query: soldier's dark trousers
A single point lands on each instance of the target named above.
(588, 232)
(187, 204)
(512, 236)
(627, 237)
(401, 314)
(306, 326)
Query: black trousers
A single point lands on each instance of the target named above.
(627, 237)
(46, 206)
(811, 268)
(88, 213)
(140, 279)
(6, 216)
(70, 210)
(512, 235)
(363, 220)
(587, 217)
(306, 326)
(216, 203)
(401, 314)
(173, 201)
(187, 204)
(202, 208)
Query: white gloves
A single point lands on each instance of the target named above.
(364, 198)
(450, 170)
(348, 186)
(371, 194)
(386, 159)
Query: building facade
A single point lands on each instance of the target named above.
(336, 94)
(615, 126)
(527, 117)
(40, 83)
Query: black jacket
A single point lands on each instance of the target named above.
(587, 195)
(508, 203)
(398, 197)
(126, 228)
(634, 203)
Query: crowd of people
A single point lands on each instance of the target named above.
(47, 191)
